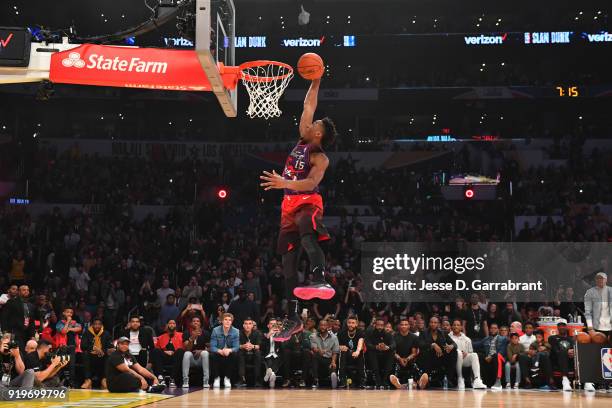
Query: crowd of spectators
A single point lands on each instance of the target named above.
(163, 286)
(79, 273)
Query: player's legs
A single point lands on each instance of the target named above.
(315, 254)
(303, 226)
(309, 220)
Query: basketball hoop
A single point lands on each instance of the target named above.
(265, 82)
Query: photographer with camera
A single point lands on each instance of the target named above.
(46, 365)
(14, 373)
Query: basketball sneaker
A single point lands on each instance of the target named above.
(395, 382)
(423, 381)
(289, 328)
(317, 289)
(567, 386)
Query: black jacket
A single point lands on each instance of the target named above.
(13, 318)
(426, 340)
(373, 337)
(145, 337)
(87, 341)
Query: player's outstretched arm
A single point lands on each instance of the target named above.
(276, 181)
(310, 106)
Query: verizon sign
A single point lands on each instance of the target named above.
(303, 42)
(600, 37)
(485, 39)
(129, 67)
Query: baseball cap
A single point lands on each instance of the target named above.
(601, 275)
(122, 339)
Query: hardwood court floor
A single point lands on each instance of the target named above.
(300, 398)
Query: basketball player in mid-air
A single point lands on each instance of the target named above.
(302, 206)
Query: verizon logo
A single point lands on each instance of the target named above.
(603, 37)
(304, 42)
(485, 39)
(4, 43)
(101, 63)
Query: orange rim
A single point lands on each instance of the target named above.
(261, 63)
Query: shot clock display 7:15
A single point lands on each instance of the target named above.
(570, 91)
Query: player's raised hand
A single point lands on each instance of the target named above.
(272, 180)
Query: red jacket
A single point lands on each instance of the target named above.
(164, 339)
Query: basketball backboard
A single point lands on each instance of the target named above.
(214, 43)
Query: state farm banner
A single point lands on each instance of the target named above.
(127, 67)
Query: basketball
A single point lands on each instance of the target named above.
(310, 66)
(599, 338)
(583, 338)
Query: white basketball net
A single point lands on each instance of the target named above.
(265, 85)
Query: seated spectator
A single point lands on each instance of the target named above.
(124, 374)
(352, 343)
(96, 345)
(296, 351)
(406, 351)
(271, 351)
(494, 346)
(528, 337)
(67, 335)
(168, 351)
(141, 341)
(250, 344)
(437, 356)
(513, 353)
(562, 353)
(446, 327)
(465, 357)
(224, 346)
(536, 367)
(516, 327)
(381, 348)
(325, 349)
(196, 341)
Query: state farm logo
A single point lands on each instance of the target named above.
(73, 60)
(117, 64)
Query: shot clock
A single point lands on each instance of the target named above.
(568, 91)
